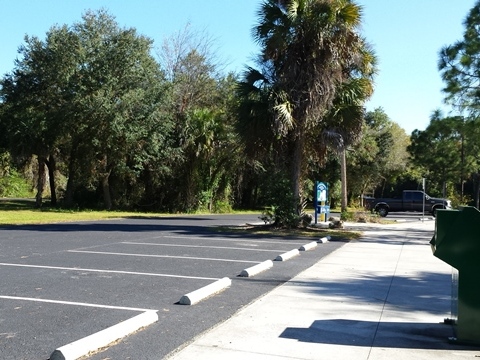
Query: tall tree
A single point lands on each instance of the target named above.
(119, 76)
(36, 102)
(380, 156)
(345, 120)
(201, 106)
(94, 92)
(459, 65)
(441, 151)
(471, 128)
(308, 48)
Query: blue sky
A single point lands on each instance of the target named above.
(406, 35)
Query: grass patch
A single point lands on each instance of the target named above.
(310, 231)
(22, 217)
(23, 212)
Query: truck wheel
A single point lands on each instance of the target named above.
(434, 210)
(382, 211)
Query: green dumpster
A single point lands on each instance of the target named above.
(457, 242)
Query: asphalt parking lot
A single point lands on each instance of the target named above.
(63, 282)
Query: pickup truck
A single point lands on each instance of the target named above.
(411, 200)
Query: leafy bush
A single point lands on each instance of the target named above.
(347, 216)
(13, 185)
(222, 207)
(359, 216)
(280, 210)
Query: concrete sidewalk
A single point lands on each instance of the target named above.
(381, 297)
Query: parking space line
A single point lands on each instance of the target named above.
(73, 303)
(108, 271)
(200, 246)
(224, 239)
(163, 256)
(100, 245)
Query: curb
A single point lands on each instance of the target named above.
(324, 240)
(198, 295)
(104, 337)
(256, 269)
(308, 246)
(288, 255)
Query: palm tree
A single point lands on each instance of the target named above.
(344, 122)
(309, 50)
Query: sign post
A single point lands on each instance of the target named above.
(320, 201)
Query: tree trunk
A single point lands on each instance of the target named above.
(71, 178)
(343, 171)
(69, 190)
(107, 198)
(149, 188)
(52, 165)
(297, 171)
(476, 188)
(40, 181)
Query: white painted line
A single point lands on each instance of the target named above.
(72, 303)
(288, 255)
(108, 271)
(199, 246)
(205, 292)
(308, 246)
(254, 270)
(224, 239)
(104, 337)
(99, 246)
(162, 256)
(324, 240)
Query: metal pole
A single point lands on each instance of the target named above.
(423, 207)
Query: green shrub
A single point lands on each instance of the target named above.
(359, 216)
(347, 216)
(280, 209)
(222, 207)
(13, 185)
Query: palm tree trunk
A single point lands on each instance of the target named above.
(343, 171)
(297, 171)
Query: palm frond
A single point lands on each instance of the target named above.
(284, 121)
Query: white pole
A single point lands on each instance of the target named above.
(423, 208)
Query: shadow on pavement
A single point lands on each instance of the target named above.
(425, 292)
(369, 333)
